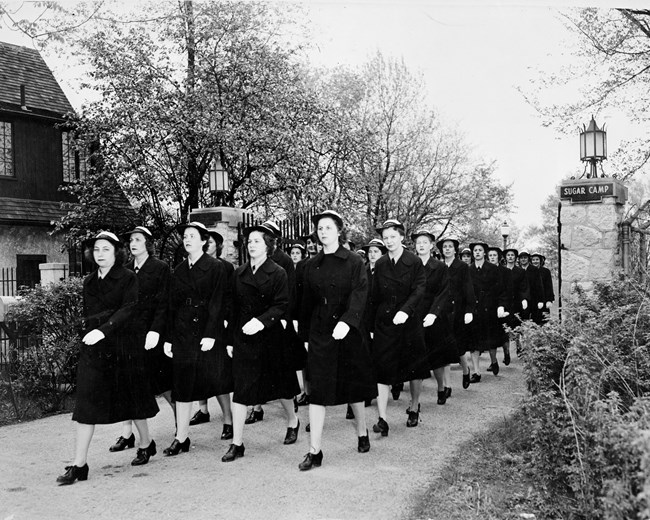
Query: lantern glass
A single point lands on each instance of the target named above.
(505, 229)
(219, 181)
(593, 142)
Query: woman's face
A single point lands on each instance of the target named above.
(467, 258)
(423, 245)
(137, 244)
(374, 254)
(448, 249)
(192, 241)
(479, 253)
(256, 245)
(493, 257)
(328, 231)
(212, 247)
(104, 253)
(311, 246)
(296, 254)
(535, 261)
(392, 239)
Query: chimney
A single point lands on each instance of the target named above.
(23, 105)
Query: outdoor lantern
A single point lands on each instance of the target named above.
(505, 233)
(593, 145)
(219, 181)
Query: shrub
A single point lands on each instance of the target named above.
(589, 385)
(51, 316)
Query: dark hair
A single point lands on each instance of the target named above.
(120, 254)
(396, 228)
(303, 251)
(270, 241)
(343, 237)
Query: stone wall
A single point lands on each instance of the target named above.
(591, 248)
(29, 240)
(224, 220)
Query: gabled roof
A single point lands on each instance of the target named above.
(25, 66)
(29, 212)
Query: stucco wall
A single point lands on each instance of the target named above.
(29, 240)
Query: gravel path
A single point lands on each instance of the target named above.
(266, 482)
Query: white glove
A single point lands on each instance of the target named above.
(306, 346)
(501, 313)
(468, 318)
(207, 344)
(540, 305)
(524, 304)
(295, 325)
(400, 318)
(372, 335)
(151, 340)
(229, 350)
(167, 348)
(428, 320)
(94, 336)
(549, 305)
(284, 323)
(253, 326)
(341, 330)
(225, 324)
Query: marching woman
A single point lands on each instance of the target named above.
(202, 367)
(257, 340)
(486, 331)
(518, 297)
(538, 260)
(331, 322)
(495, 257)
(297, 252)
(213, 248)
(461, 303)
(148, 325)
(398, 349)
(110, 295)
(431, 311)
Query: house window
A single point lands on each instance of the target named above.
(75, 162)
(6, 150)
(28, 273)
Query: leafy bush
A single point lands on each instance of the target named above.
(588, 404)
(51, 316)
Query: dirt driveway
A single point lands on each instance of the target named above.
(266, 483)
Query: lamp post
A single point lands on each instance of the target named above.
(219, 182)
(505, 233)
(593, 146)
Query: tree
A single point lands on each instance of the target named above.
(614, 58)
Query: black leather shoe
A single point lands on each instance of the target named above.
(495, 368)
(506, 356)
(442, 397)
(176, 447)
(200, 418)
(466, 380)
(73, 473)
(254, 417)
(395, 390)
(144, 454)
(414, 417)
(349, 414)
(312, 460)
(122, 443)
(226, 434)
(476, 378)
(292, 434)
(489, 369)
(308, 428)
(364, 444)
(381, 427)
(234, 452)
(303, 400)
(447, 392)
(295, 405)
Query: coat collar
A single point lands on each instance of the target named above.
(340, 253)
(268, 267)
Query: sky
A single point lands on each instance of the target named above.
(475, 57)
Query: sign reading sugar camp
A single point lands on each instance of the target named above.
(587, 192)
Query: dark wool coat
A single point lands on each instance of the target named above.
(151, 315)
(536, 290)
(486, 331)
(547, 286)
(460, 301)
(110, 388)
(398, 351)
(441, 350)
(261, 370)
(516, 284)
(196, 312)
(335, 289)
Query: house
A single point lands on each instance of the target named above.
(37, 157)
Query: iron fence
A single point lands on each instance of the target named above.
(8, 282)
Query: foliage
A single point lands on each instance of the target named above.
(45, 372)
(588, 405)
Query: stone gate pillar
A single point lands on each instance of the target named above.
(592, 211)
(225, 220)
